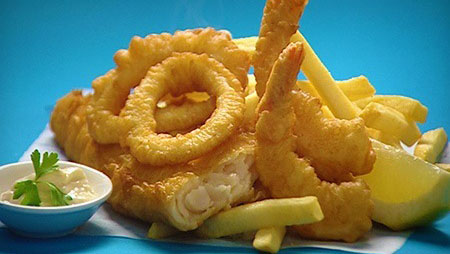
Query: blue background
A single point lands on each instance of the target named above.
(48, 48)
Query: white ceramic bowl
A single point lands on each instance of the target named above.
(44, 222)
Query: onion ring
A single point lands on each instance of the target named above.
(112, 90)
(196, 73)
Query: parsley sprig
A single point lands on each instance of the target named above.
(28, 188)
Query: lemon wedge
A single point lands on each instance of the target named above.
(406, 190)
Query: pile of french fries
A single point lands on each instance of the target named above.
(390, 119)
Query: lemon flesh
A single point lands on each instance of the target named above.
(407, 191)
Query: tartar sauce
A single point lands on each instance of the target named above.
(70, 180)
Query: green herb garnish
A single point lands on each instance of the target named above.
(28, 188)
(48, 164)
(58, 197)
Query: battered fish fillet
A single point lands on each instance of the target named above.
(183, 195)
(279, 22)
(346, 206)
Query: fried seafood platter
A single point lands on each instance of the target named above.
(194, 143)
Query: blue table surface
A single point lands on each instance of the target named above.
(48, 48)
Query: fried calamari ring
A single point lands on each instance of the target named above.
(112, 90)
(196, 73)
(189, 114)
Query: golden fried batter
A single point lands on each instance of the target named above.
(336, 148)
(279, 22)
(183, 195)
(347, 206)
(189, 115)
(112, 89)
(196, 73)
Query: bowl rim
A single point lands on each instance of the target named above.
(61, 209)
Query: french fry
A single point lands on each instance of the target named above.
(160, 230)
(251, 84)
(247, 44)
(324, 84)
(262, 214)
(320, 77)
(411, 135)
(390, 121)
(354, 88)
(444, 166)
(384, 138)
(306, 86)
(410, 108)
(251, 102)
(327, 112)
(431, 144)
(269, 239)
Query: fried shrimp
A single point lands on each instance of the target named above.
(196, 73)
(337, 149)
(112, 90)
(279, 22)
(347, 206)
